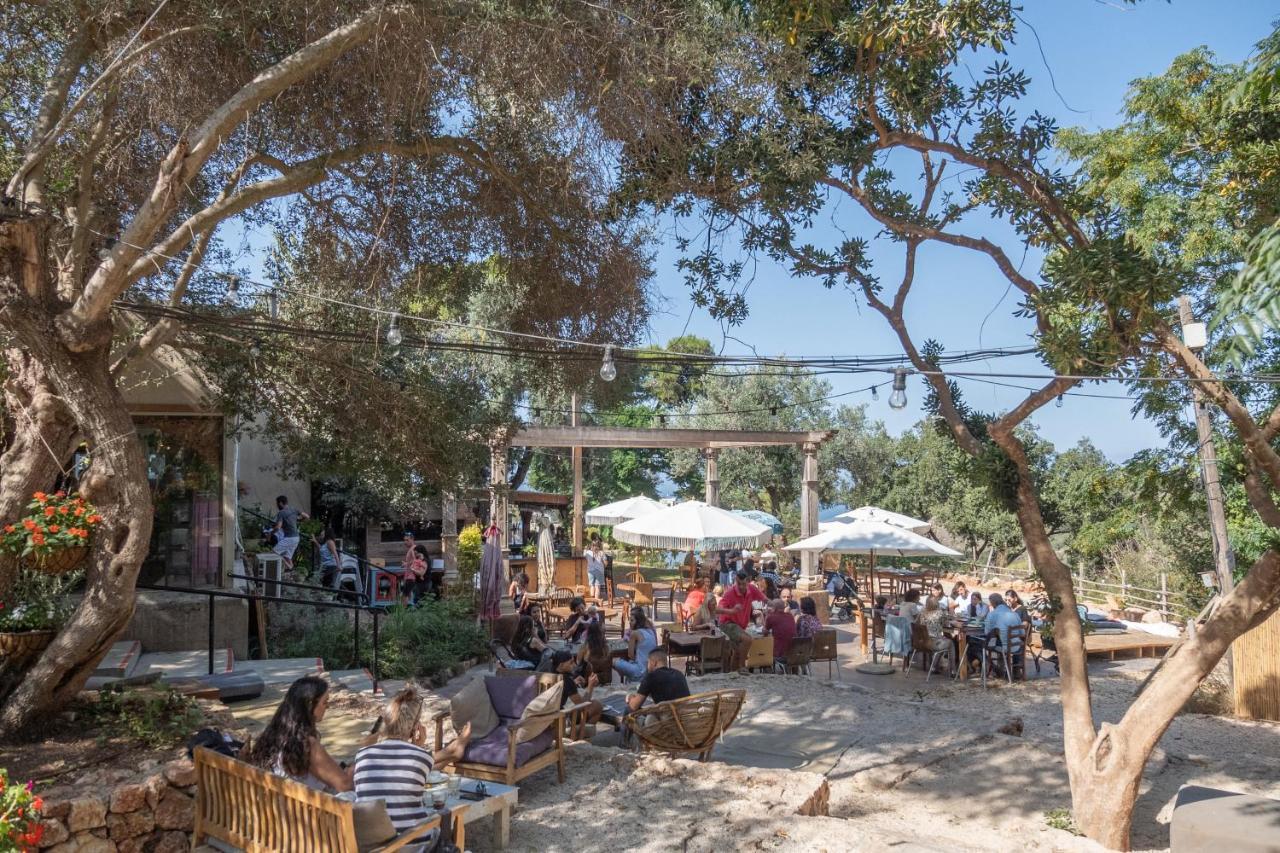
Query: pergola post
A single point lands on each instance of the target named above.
(713, 476)
(809, 510)
(449, 533)
(578, 531)
(498, 488)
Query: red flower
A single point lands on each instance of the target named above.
(94, 519)
(41, 496)
(53, 528)
(60, 494)
(49, 511)
(29, 524)
(8, 528)
(37, 538)
(38, 804)
(79, 511)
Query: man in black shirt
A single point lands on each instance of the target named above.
(661, 683)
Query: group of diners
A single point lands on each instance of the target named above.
(987, 621)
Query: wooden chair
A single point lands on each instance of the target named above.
(245, 807)
(688, 726)
(506, 661)
(642, 596)
(510, 773)
(1011, 656)
(760, 654)
(710, 657)
(824, 649)
(797, 658)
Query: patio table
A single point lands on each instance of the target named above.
(498, 802)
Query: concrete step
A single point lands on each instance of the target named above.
(121, 662)
(361, 681)
(282, 670)
(187, 664)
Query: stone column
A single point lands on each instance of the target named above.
(449, 534)
(713, 476)
(809, 513)
(578, 530)
(498, 489)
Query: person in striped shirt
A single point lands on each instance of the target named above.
(396, 767)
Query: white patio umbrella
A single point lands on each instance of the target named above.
(873, 537)
(693, 525)
(875, 513)
(623, 510)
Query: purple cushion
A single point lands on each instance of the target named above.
(492, 749)
(509, 694)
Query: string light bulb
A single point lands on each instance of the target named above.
(898, 399)
(394, 336)
(1058, 402)
(233, 290)
(608, 370)
(875, 392)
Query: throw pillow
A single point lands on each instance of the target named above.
(471, 705)
(542, 710)
(372, 823)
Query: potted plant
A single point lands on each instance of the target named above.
(36, 608)
(20, 826)
(54, 534)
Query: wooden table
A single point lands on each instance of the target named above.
(1137, 643)
(498, 802)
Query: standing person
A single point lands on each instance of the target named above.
(734, 610)
(726, 576)
(286, 530)
(395, 768)
(517, 591)
(595, 568)
(413, 569)
(330, 558)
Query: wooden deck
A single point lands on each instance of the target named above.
(1133, 644)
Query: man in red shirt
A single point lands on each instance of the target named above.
(734, 609)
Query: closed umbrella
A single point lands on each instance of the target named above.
(622, 511)
(693, 525)
(491, 576)
(875, 513)
(546, 557)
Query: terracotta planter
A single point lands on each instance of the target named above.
(18, 646)
(59, 562)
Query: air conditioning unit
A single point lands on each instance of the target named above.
(271, 571)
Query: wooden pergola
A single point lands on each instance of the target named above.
(709, 441)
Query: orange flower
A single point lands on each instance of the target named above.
(79, 511)
(60, 494)
(49, 511)
(82, 533)
(94, 519)
(29, 524)
(41, 496)
(53, 528)
(8, 528)
(37, 538)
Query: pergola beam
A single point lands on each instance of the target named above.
(636, 437)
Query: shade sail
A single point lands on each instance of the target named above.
(693, 525)
(623, 510)
(873, 537)
(875, 513)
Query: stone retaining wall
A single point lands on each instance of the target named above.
(149, 809)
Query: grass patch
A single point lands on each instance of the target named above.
(1061, 819)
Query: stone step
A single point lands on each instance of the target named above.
(282, 670)
(361, 681)
(187, 664)
(121, 662)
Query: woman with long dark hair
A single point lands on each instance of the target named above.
(290, 744)
(525, 645)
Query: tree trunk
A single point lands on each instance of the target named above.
(115, 482)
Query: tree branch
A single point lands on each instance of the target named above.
(74, 259)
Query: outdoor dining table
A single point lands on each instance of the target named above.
(960, 631)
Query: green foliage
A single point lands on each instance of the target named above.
(157, 718)
(1061, 819)
(38, 601)
(470, 550)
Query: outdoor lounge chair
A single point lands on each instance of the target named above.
(688, 726)
(498, 756)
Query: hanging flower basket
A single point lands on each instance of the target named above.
(58, 562)
(54, 535)
(16, 647)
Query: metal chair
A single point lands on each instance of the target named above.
(797, 658)
(824, 649)
(922, 644)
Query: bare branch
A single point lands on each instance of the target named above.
(74, 259)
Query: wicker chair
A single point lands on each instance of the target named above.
(688, 726)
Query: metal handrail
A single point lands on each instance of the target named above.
(360, 561)
(275, 599)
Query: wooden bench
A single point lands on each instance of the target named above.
(1135, 643)
(245, 807)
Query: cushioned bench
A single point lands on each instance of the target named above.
(1207, 820)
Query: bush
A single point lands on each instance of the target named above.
(158, 718)
(412, 642)
(470, 549)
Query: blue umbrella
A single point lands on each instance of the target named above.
(762, 517)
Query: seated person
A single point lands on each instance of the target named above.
(594, 656)
(578, 690)
(519, 586)
(643, 639)
(692, 601)
(661, 683)
(395, 767)
(539, 627)
(290, 744)
(995, 630)
(525, 645)
(734, 610)
(807, 624)
(780, 625)
(910, 604)
(939, 593)
(788, 596)
(976, 609)
(575, 627)
(958, 600)
(932, 618)
(1014, 601)
(704, 619)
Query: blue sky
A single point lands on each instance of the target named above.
(1094, 50)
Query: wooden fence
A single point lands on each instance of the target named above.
(1168, 603)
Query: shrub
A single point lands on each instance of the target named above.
(20, 827)
(157, 718)
(470, 549)
(37, 601)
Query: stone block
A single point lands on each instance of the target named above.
(156, 786)
(180, 773)
(128, 798)
(57, 802)
(55, 832)
(176, 811)
(86, 813)
(1207, 820)
(131, 825)
(172, 842)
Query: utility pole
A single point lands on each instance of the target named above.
(1224, 560)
